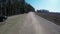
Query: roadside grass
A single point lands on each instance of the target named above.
(51, 17)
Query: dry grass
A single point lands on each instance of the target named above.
(55, 18)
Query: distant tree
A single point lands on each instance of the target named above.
(43, 11)
(28, 8)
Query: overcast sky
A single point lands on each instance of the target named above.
(51, 5)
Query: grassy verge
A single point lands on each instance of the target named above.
(51, 17)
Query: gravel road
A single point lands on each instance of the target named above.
(29, 24)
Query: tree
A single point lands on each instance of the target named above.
(43, 11)
(17, 7)
(28, 8)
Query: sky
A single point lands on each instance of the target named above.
(51, 5)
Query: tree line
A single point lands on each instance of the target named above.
(15, 8)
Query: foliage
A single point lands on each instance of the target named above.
(18, 7)
(28, 8)
(43, 11)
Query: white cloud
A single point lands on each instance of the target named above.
(53, 1)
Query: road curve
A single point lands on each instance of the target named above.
(29, 24)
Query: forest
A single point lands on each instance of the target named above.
(14, 7)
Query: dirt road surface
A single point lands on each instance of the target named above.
(28, 24)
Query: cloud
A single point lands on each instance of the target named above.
(53, 1)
